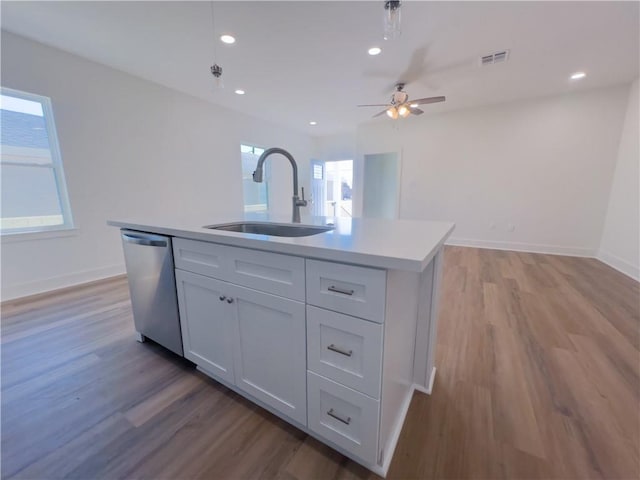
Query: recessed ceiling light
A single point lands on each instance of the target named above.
(375, 51)
(313, 123)
(240, 92)
(228, 39)
(578, 75)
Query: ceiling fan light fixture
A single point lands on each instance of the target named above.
(392, 112)
(414, 105)
(374, 51)
(403, 111)
(392, 19)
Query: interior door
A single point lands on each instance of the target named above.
(381, 185)
(318, 188)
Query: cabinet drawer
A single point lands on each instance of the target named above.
(270, 272)
(343, 416)
(345, 349)
(200, 257)
(265, 271)
(357, 291)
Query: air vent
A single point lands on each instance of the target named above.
(497, 57)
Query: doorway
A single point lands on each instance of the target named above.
(332, 188)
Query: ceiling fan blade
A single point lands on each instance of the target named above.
(424, 101)
(374, 105)
(380, 113)
(416, 111)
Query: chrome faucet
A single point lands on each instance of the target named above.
(257, 177)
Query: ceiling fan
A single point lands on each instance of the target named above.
(401, 106)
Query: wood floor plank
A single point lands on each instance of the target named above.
(538, 377)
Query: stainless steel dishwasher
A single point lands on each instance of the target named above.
(149, 261)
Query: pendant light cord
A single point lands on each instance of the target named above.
(213, 33)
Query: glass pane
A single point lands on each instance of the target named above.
(255, 195)
(29, 197)
(24, 136)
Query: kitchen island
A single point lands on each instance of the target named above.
(332, 332)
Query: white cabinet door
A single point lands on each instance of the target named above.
(270, 353)
(206, 320)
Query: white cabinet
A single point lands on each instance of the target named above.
(270, 353)
(335, 349)
(207, 323)
(248, 338)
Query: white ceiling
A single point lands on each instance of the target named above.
(301, 61)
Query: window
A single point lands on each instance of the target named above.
(256, 195)
(34, 193)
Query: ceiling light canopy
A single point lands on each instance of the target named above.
(240, 92)
(228, 39)
(578, 75)
(375, 51)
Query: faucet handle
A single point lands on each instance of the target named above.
(302, 202)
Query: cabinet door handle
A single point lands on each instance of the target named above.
(346, 353)
(222, 298)
(229, 300)
(335, 289)
(331, 413)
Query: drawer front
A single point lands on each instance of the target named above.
(343, 416)
(269, 272)
(204, 258)
(265, 271)
(345, 349)
(357, 291)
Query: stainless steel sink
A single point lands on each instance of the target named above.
(275, 229)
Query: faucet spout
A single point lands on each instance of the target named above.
(258, 174)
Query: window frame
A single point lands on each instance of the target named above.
(56, 165)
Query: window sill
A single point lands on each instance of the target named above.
(44, 235)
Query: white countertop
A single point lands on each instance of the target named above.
(391, 244)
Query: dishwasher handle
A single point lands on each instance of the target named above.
(142, 240)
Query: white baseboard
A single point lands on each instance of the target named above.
(12, 292)
(619, 264)
(522, 247)
(429, 389)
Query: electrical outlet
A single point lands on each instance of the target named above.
(511, 227)
(492, 226)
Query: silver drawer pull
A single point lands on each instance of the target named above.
(346, 353)
(331, 413)
(335, 289)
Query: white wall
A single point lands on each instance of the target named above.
(130, 148)
(329, 148)
(620, 245)
(544, 166)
